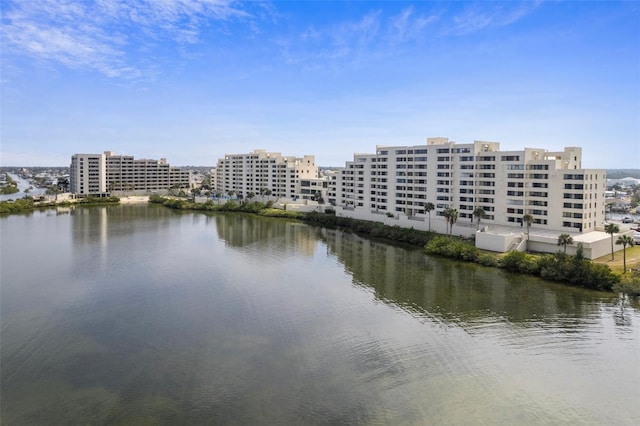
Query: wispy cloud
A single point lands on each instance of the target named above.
(97, 34)
(373, 34)
(479, 16)
(408, 25)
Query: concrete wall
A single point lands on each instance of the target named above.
(495, 242)
(421, 223)
(594, 245)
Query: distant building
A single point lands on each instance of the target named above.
(101, 174)
(261, 172)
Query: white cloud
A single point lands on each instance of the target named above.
(82, 34)
(407, 25)
(477, 17)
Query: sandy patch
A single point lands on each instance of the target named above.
(134, 199)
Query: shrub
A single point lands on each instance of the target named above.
(488, 260)
(629, 284)
(592, 275)
(282, 214)
(469, 252)
(554, 267)
(517, 261)
(453, 248)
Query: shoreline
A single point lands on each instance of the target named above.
(134, 199)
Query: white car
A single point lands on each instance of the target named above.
(636, 237)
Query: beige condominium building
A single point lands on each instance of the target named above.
(88, 174)
(261, 172)
(99, 174)
(552, 187)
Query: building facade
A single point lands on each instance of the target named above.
(87, 174)
(99, 174)
(552, 187)
(125, 173)
(262, 172)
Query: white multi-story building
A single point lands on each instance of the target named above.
(552, 187)
(125, 173)
(87, 175)
(99, 174)
(261, 172)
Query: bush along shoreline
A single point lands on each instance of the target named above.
(255, 207)
(28, 204)
(560, 267)
(575, 270)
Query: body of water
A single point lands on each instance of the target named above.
(138, 314)
(23, 184)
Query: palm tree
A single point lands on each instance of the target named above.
(611, 228)
(428, 207)
(528, 219)
(565, 240)
(625, 240)
(452, 217)
(479, 214)
(447, 214)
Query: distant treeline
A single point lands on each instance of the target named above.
(623, 173)
(28, 204)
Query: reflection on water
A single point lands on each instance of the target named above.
(455, 291)
(144, 315)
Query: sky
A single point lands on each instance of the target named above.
(193, 80)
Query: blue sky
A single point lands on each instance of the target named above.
(191, 80)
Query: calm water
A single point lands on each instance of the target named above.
(141, 315)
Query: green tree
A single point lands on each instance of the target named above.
(528, 219)
(479, 214)
(428, 208)
(565, 240)
(624, 240)
(611, 228)
(452, 217)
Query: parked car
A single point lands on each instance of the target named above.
(627, 220)
(636, 237)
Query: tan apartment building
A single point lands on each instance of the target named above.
(99, 174)
(261, 172)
